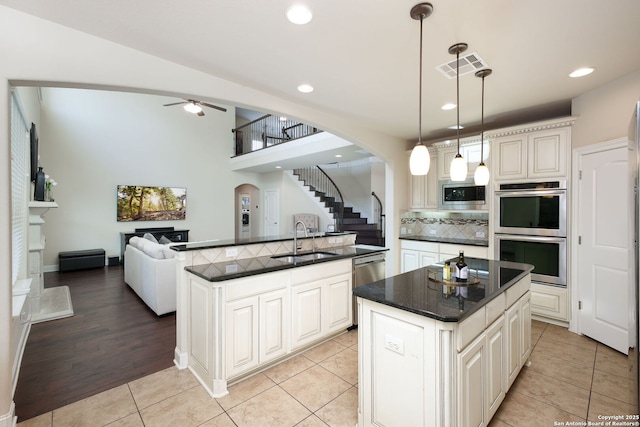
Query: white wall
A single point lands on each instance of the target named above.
(294, 201)
(604, 113)
(93, 140)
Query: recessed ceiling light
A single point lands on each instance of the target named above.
(338, 155)
(305, 88)
(448, 106)
(278, 167)
(299, 14)
(581, 72)
(454, 127)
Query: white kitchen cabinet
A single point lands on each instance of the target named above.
(239, 326)
(469, 150)
(256, 325)
(535, 151)
(320, 308)
(338, 301)
(242, 329)
(518, 327)
(409, 260)
(445, 155)
(306, 304)
(495, 373)
(416, 254)
(471, 383)
(423, 189)
(273, 310)
(549, 302)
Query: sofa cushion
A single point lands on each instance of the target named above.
(154, 250)
(134, 241)
(168, 252)
(164, 240)
(150, 237)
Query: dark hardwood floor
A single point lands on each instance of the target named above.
(113, 338)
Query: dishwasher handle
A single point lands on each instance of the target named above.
(368, 259)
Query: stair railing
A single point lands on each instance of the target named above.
(381, 216)
(267, 131)
(320, 182)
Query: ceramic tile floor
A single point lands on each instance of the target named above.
(571, 378)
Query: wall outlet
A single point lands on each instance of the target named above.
(432, 231)
(231, 268)
(394, 344)
(403, 230)
(231, 252)
(480, 234)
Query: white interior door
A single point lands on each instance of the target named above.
(603, 263)
(272, 212)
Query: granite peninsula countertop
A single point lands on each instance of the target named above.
(435, 239)
(221, 271)
(414, 292)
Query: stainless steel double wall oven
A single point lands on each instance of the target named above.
(531, 227)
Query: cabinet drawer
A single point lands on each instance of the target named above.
(471, 328)
(495, 308)
(320, 271)
(419, 246)
(518, 289)
(255, 285)
(469, 251)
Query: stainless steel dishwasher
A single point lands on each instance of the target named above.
(366, 269)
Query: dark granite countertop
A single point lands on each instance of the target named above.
(206, 244)
(412, 291)
(436, 239)
(221, 271)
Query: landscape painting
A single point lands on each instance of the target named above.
(140, 203)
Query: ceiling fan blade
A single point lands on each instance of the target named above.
(174, 103)
(206, 104)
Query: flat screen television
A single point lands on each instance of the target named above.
(144, 203)
(33, 139)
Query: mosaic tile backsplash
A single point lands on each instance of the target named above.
(448, 225)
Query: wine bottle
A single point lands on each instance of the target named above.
(446, 271)
(462, 270)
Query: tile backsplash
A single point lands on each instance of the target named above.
(454, 225)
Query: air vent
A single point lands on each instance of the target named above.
(468, 64)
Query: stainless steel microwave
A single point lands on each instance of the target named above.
(464, 195)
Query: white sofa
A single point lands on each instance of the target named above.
(150, 270)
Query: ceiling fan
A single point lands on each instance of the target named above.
(195, 107)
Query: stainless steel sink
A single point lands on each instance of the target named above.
(306, 256)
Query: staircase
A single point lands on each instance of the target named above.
(368, 234)
(345, 218)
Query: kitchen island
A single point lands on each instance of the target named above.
(433, 353)
(244, 306)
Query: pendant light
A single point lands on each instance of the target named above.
(481, 177)
(458, 169)
(420, 159)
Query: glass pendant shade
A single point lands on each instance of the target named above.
(420, 160)
(481, 176)
(458, 170)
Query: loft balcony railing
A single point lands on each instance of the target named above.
(268, 131)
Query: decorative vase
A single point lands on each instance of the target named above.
(39, 186)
